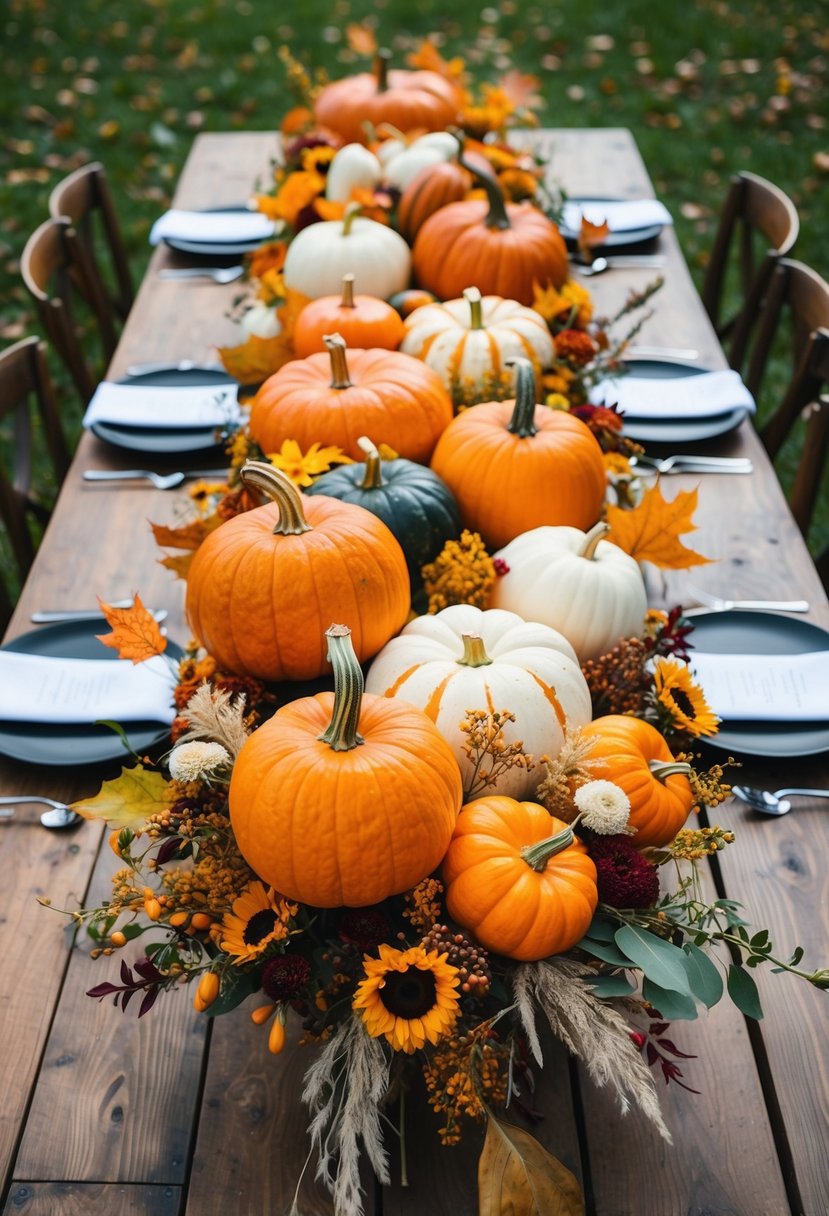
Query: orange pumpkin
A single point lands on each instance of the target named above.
(518, 879)
(407, 100)
(331, 817)
(514, 465)
(395, 398)
(505, 249)
(435, 186)
(263, 586)
(633, 754)
(364, 321)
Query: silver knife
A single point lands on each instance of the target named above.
(85, 614)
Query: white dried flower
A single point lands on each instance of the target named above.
(603, 807)
(197, 761)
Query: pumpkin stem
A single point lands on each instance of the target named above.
(664, 768)
(474, 653)
(382, 60)
(259, 475)
(341, 734)
(351, 213)
(389, 131)
(497, 216)
(591, 540)
(476, 314)
(522, 422)
(347, 299)
(336, 347)
(537, 855)
(373, 477)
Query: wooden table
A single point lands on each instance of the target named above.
(107, 1115)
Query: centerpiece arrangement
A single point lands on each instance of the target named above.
(428, 792)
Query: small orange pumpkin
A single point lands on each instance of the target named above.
(633, 755)
(331, 817)
(518, 879)
(436, 186)
(363, 321)
(329, 399)
(514, 465)
(263, 586)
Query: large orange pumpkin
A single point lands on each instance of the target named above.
(360, 320)
(505, 249)
(344, 799)
(514, 465)
(264, 585)
(327, 399)
(633, 755)
(407, 100)
(518, 879)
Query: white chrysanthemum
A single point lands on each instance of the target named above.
(197, 761)
(603, 807)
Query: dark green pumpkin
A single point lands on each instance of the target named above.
(416, 505)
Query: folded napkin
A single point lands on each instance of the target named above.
(162, 406)
(626, 215)
(212, 227)
(765, 687)
(675, 397)
(34, 688)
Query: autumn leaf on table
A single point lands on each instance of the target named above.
(516, 1174)
(591, 235)
(127, 801)
(651, 531)
(257, 358)
(187, 537)
(135, 632)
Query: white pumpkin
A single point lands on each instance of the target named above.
(402, 161)
(353, 168)
(260, 321)
(321, 254)
(576, 582)
(464, 658)
(469, 340)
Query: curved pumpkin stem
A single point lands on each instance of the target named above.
(341, 734)
(258, 475)
(476, 313)
(666, 768)
(373, 478)
(537, 855)
(347, 298)
(497, 216)
(591, 540)
(382, 61)
(351, 213)
(474, 652)
(522, 422)
(336, 347)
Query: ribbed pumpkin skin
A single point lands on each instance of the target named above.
(509, 907)
(455, 249)
(348, 828)
(394, 398)
(371, 322)
(411, 101)
(260, 603)
(434, 187)
(623, 747)
(417, 507)
(506, 485)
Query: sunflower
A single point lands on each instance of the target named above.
(259, 917)
(410, 996)
(683, 699)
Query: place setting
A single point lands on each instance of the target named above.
(212, 233)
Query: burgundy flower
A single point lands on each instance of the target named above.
(363, 927)
(285, 976)
(624, 877)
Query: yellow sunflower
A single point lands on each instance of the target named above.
(303, 468)
(259, 917)
(683, 699)
(410, 996)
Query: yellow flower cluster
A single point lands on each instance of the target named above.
(423, 904)
(212, 884)
(464, 1077)
(691, 844)
(489, 752)
(462, 573)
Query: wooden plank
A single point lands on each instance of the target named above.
(91, 1199)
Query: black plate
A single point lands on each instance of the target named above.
(166, 441)
(762, 633)
(615, 240)
(671, 431)
(69, 744)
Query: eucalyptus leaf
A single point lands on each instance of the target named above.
(674, 1006)
(660, 961)
(610, 985)
(606, 951)
(703, 975)
(743, 992)
(601, 929)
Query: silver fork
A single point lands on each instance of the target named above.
(219, 274)
(722, 605)
(161, 481)
(685, 462)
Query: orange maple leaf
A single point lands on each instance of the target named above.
(360, 39)
(180, 564)
(592, 235)
(188, 536)
(651, 531)
(135, 632)
(257, 358)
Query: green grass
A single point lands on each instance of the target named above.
(708, 87)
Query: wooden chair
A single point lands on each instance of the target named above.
(758, 224)
(57, 275)
(24, 379)
(83, 198)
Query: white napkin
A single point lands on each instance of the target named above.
(625, 215)
(765, 687)
(162, 406)
(212, 227)
(34, 688)
(675, 397)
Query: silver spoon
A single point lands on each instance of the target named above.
(219, 274)
(776, 803)
(600, 264)
(161, 481)
(59, 816)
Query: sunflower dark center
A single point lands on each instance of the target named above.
(260, 925)
(683, 702)
(409, 994)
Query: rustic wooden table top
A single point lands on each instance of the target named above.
(101, 1113)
